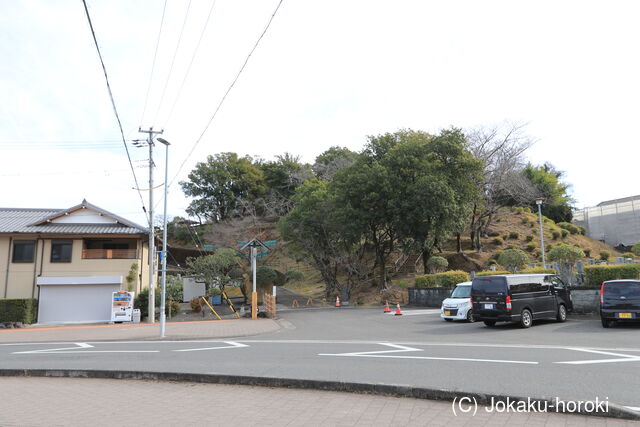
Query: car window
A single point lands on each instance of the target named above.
(622, 289)
(461, 292)
(491, 285)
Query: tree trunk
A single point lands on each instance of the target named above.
(426, 254)
(458, 242)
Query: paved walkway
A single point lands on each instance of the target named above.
(81, 402)
(206, 329)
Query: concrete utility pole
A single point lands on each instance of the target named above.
(539, 203)
(152, 252)
(163, 316)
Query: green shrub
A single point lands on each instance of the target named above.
(492, 262)
(582, 230)
(629, 255)
(513, 259)
(446, 279)
(604, 255)
(537, 270)
(403, 284)
(505, 236)
(537, 253)
(571, 228)
(596, 274)
(547, 220)
(636, 249)
(548, 247)
(437, 264)
(564, 233)
(175, 289)
(265, 275)
(529, 238)
(525, 220)
(294, 275)
(531, 247)
(141, 302)
(587, 252)
(511, 247)
(498, 241)
(18, 310)
(492, 273)
(555, 234)
(514, 235)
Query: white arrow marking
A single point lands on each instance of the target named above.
(56, 350)
(633, 408)
(621, 357)
(231, 345)
(401, 349)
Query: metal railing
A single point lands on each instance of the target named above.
(109, 253)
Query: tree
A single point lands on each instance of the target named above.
(313, 228)
(547, 180)
(283, 175)
(501, 149)
(433, 184)
(219, 183)
(215, 269)
(332, 160)
(437, 264)
(566, 257)
(513, 259)
(636, 249)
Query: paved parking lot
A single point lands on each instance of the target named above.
(81, 402)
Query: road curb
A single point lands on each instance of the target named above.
(614, 411)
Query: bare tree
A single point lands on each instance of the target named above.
(502, 149)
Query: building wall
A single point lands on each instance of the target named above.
(19, 280)
(615, 223)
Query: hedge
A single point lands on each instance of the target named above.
(18, 310)
(596, 274)
(446, 279)
(492, 273)
(537, 270)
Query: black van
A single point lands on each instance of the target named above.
(520, 298)
(619, 301)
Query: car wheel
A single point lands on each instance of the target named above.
(526, 320)
(448, 320)
(562, 313)
(490, 322)
(607, 323)
(470, 318)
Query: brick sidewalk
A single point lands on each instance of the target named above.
(142, 331)
(80, 402)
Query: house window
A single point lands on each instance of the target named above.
(23, 250)
(61, 250)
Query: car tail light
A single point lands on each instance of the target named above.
(508, 301)
(602, 294)
(471, 301)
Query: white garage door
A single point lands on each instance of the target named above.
(76, 301)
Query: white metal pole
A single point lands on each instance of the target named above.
(254, 295)
(163, 316)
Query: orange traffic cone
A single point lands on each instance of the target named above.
(398, 312)
(337, 301)
(386, 307)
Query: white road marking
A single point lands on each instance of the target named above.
(401, 348)
(56, 350)
(414, 312)
(633, 408)
(620, 357)
(232, 344)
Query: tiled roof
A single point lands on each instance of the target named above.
(14, 220)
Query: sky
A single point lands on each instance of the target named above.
(326, 73)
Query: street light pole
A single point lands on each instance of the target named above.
(539, 203)
(163, 315)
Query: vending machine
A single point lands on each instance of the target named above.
(122, 306)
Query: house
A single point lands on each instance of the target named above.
(71, 260)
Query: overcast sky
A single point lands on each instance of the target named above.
(328, 72)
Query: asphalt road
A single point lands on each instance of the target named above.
(576, 360)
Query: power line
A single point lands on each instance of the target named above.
(175, 53)
(113, 103)
(195, 52)
(153, 64)
(227, 92)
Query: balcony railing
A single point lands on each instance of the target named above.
(109, 253)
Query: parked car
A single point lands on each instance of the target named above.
(458, 305)
(619, 302)
(520, 298)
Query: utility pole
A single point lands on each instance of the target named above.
(152, 246)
